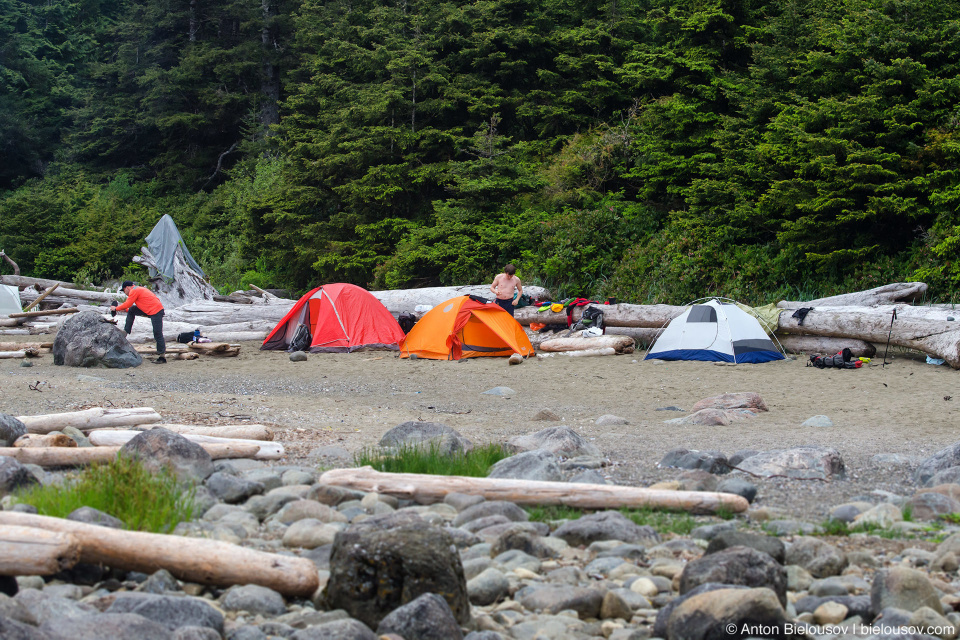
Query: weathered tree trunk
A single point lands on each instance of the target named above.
(922, 328)
(73, 297)
(13, 355)
(427, 489)
(887, 294)
(191, 559)
(72, 457)
(587, 353)
(406, 300)
(820, 344)
(94, 418)
(267, 450)
(45, 440)
(43, 283)
(241, 431)
(208, 313)
(650, 316)
(16, 267)
(618, 343)
(33, 551)
(187, 285)
(37, 314)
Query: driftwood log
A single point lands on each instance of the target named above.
(32, 551)
(43, 283)
(37, 314)
(427, 489)
(8, 259)
(650, 316)
(824, 345)
(267, 450)
(79, 456)
(45, 440)
(88, 419)
(191, 559)
(399, 301)
(917, 328)
(240, 431)
(13, 355)
(897, 292)
(41, 297)
(620, 344)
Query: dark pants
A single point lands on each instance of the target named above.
(156, 319)
(506, 304)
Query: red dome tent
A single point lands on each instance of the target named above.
(341, 318)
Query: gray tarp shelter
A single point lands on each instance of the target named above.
(9, 300)
(162, 243)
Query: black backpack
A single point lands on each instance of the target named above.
(592, 317)
(406, 321)
(301, 339)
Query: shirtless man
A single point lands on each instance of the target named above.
(507, 286)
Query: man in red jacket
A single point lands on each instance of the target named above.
(142, 302)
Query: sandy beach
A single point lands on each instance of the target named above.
(351, 400)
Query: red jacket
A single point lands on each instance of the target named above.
(145, 300)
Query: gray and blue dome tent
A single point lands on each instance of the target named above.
(717, 330)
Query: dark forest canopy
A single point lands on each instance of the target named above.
(653, 150)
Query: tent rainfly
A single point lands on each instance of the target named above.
(716, 331)
(465, 328)
(341, 318)
(9, 300)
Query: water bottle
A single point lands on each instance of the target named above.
(196, 335)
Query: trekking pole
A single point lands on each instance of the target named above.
(889, 333)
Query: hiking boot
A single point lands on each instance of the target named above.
(160, 360)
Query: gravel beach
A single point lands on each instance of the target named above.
(351, 400)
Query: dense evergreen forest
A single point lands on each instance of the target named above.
(653, 150)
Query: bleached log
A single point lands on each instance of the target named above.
(41, 346)
(238, 336)
(43, 283)
(587, 353)
(10, 322)
(33, 551)
(399, 301)
(38, 314)
(919, 328)
(114, 437)
(79, 456)
(821, 344)
(73, 296)
(257, 432)
(94, 418)
(651, 316)
(196, 560)
(208, 313)
(45, 440)
(428, 489)
(13, 355)
(15, 332)
(893, 293)
(618, 343)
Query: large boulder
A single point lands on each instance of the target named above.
(387, 561)
(805, 462)
(562, 441)
(605, 525)
(88, 340)
(903, 588)
(10, 430)
(820, 558)
(742, 566)
(426, 618)
(946, 458)
(160, 448)
(728, 613)
(529, 465)
(426, 434)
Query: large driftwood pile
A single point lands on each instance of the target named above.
(109, 429)
(853, 320)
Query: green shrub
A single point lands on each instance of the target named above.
(125, 489)
(430, 460)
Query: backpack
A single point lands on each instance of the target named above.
(406, 321)
(592, 317)
(841, 360)
(186, 336)
(301, 339)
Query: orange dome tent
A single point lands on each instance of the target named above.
(341, 318)
(464, 328)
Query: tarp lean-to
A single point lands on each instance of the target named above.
(162, 243)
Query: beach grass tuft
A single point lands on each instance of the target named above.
(430, 460)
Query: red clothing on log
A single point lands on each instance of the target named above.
(145, 300)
